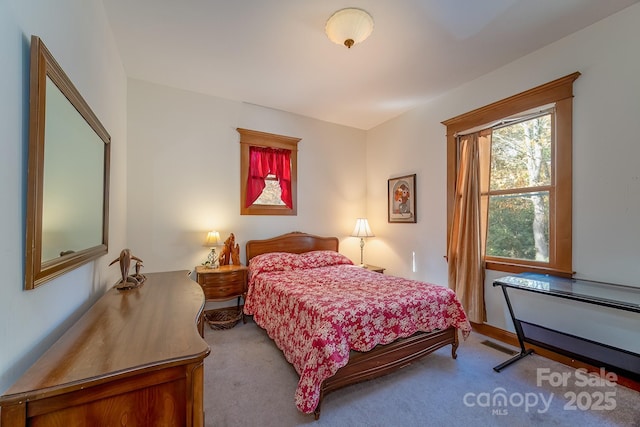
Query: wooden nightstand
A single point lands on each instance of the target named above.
(223, 284)
(374, 268)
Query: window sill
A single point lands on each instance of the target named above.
(513, 267)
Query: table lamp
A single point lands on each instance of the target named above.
(213, 240)
(362, 230)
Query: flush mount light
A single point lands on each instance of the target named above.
(349, 26)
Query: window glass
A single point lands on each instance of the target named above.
(271, 195)
(521, 154)
(519, 186)
(518, 226)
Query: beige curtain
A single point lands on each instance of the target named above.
(466, 241)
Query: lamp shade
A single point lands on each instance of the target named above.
(362, 228)
(213, 239)
(349, 26)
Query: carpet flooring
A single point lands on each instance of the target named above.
(249, 383)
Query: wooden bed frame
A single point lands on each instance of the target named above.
(362, 366)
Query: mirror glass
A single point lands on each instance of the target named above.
(73, 171)
(68, 176)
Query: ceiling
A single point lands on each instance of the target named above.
(274, 53)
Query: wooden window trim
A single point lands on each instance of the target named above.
(559, 92)
(255, 138)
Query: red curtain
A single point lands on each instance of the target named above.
(262, 162)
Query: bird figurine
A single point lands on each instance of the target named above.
(127, 281)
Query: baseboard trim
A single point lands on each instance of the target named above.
(511, 339)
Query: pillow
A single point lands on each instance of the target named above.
(282, 261)
(273, 261)
(316, 259)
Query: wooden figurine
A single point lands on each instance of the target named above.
(230, 253)
(127, 281)
(139, 276)
(235, 255)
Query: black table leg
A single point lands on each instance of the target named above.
(520, 334)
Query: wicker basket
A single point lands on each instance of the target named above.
(223, 318)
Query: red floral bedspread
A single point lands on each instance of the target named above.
(318, 306)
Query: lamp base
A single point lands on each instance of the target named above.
(212, 259)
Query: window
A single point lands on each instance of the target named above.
(520, 188)
(526, 178)
(268, 169)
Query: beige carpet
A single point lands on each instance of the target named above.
(249, 383)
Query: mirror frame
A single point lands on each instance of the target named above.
(37, 272)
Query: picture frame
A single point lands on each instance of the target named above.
(401, 195)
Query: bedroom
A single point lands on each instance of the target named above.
(174, 164)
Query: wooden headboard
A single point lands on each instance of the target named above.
(295, 242)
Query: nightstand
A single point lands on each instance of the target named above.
(223, 284)
(374, 268)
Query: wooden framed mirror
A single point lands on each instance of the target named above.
(67, 220)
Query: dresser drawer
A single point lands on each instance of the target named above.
(223, 291)
(221, 279)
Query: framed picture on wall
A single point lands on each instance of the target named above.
(402, 199)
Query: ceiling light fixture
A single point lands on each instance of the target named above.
(349, 26)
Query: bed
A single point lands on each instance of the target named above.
(333, 338)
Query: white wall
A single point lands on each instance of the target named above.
(606, 156)
(77, 35)
(184, 175)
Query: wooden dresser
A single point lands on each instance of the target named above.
(135, 358)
